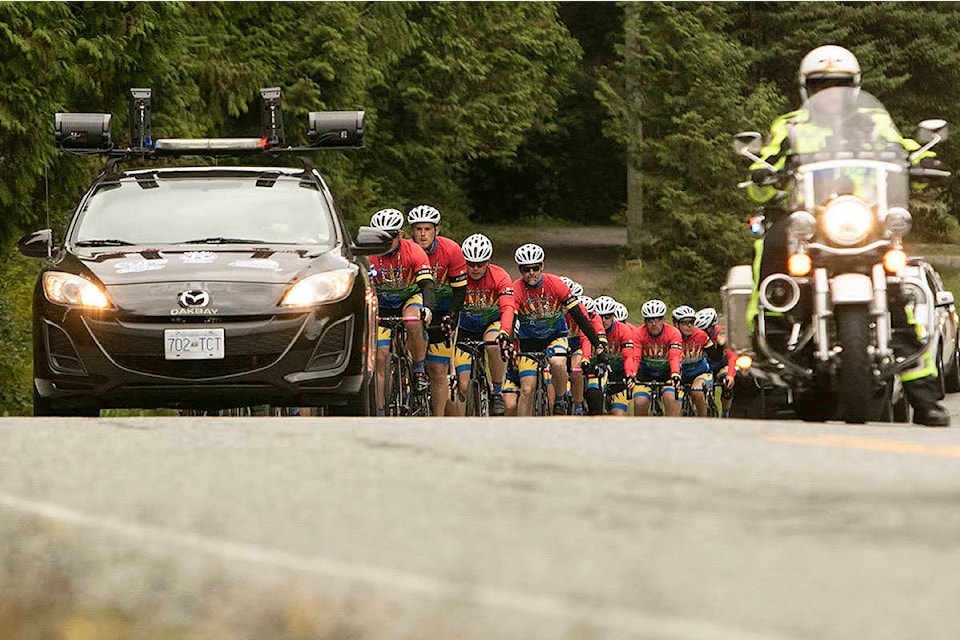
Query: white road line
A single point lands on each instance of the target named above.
(611, 618)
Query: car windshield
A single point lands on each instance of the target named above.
(162, 210)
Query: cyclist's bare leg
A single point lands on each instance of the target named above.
(576, 379)
(439, 387)
(671, 406)
(699, 398)
(641, 406)
(463, 382)
(528, 385)
(416, 340)
(559, 377)
(496, 367)
(510, 399)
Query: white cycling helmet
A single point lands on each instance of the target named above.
(621, 314)
(477, 248)
(829, 65)
(588, 303)
(528, 254)
(605, 306)
(653, 309)
(387, 219)
(705, 318)
(575, 288)
(423, 213)
(684, 312)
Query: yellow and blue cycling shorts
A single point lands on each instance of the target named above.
(528, 367)
(383, 333)
(462, 359)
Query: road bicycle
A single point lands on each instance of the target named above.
(688, 407)
(477, 398)
(541, 398)
(400, 398)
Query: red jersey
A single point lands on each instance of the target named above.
(694, 360)
(718, 333)
(488, 299)
(542, 307)
(449, 269)
(659, 355)
(622, 350)
(395, 276)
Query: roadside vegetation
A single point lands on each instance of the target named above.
(497, 113)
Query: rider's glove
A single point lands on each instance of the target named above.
(600, 353)
(447, 325)
(630, 381)
(675, 380)
(426, 315)
(506, 346)
(587, 367)
(763, 177)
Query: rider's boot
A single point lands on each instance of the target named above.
(935, 416)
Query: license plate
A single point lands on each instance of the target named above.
(193, 344)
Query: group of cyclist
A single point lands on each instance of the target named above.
(537, 329)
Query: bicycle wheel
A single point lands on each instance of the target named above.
(396, 387)
(541, 401)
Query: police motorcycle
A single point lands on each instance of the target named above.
(823, 328)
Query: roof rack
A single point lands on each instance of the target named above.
(89, 133)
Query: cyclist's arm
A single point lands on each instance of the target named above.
(428, 289)
(631, 359)
(731, 364)
(574, 308)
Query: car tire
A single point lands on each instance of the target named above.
(362, 404)
(951, 377)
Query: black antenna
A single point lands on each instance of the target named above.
(141, 135)
(271, 117)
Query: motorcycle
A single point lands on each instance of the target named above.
(823, 327)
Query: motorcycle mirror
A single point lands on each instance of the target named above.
(747, 142)
(934, 128)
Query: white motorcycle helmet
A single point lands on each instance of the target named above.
(829, 65)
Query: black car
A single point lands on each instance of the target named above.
(205, 287)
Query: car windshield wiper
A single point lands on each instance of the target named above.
(222, 240)
(103, 242)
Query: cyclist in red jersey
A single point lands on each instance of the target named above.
(542, 302)
(403, 280)
(450, 275)
(621, 357)
(695, 366)
(488, 307)
(660, 353)
(581, 351)
(724, 367)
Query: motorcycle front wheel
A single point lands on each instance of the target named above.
(856, 385)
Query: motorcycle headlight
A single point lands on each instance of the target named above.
(74, 290)
(847, 220)
(330, 286)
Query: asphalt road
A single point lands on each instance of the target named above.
(572, 528)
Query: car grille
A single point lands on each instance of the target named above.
(249, 346)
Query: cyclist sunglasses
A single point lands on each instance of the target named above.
(530, 268)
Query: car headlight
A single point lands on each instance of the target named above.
(847, 220)
(329, 286)
(74, 290)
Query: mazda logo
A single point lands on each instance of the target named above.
(193, 298)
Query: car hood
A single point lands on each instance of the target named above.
(232, 282)
(264, 266)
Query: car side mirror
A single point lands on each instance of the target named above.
(38, 244)
(944, 298)
(372, 242)
(933, 129)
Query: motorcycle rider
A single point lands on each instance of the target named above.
(822, 68)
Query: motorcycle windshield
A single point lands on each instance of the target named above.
(844, 123)
(843, 142)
